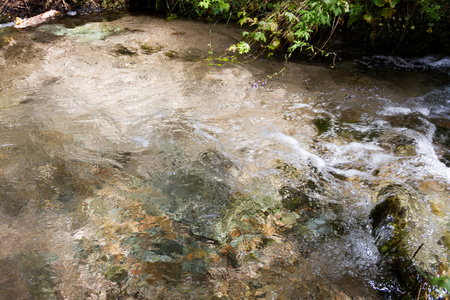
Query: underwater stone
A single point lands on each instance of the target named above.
(414, 121)
(88, 32)
(399, 144)
(200, 194)
(122, 50)
(37, 270)
(116, 274)
(322, 124)
(195, 262)
(294, 199)
(167, 247)
(12, 283)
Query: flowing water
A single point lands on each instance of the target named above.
(130, 168)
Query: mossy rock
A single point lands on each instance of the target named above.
(294, 199)
(122, 50)
(406, 234)
(116, 274)
(322, 124)
(399, 144)
(390, 219)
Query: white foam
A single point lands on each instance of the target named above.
(395, 110)
(297, 150)
(143, 141)
(9, 24)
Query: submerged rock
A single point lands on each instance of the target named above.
(116, 274)
(317, 216)
(88, 32)
(37, 271)
(399, 144)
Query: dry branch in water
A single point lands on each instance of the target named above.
(36, 20)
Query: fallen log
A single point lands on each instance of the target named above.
(36, 20)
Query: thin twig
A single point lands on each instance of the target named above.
(3, 6)
(420, 290)
(417, 251)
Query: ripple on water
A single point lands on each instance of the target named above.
(125, 173)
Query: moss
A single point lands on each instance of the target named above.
(116, 274)
(171, 54)
(322, 125)
(394, 220)
(292, 198)
(122, 50)
(389, 220)
(348, 132)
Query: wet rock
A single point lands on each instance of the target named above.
(315, 218)
(294, 199)
(414, 121)
(351, 132)
(399, 144)
(442, 137)
(116, 274)
(171, 54)
(407, 232)
(149, 49)
(122, 50)
(322, 124)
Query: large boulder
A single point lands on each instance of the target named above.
(411, 235)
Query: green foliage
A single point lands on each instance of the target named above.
(288, 24)
(293, 25)
(218, 61)
(439, 285)
(391, 22)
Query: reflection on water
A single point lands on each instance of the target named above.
(131, 169)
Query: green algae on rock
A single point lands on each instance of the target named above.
(406, 230)
(88, 32)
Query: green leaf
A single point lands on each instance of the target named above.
(274, 45)
(388, 12)
(379, 3)
(172, 16)
(243, 47)
(290, 16)
(368, 18)
(442, 282)
(259, 36)
(204, 4)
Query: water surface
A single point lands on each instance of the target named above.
(129, 167)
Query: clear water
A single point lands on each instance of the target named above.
(131, 168)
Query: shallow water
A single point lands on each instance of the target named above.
(131, 168)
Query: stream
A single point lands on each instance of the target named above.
(133, 166)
